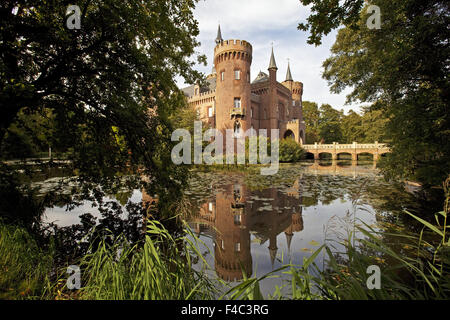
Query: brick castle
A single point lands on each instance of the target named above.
(231, 101)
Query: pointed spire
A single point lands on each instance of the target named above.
(272, 64)
(273, 248)
(288, 73)
(289, 236)
(273, 255)
(219, 36)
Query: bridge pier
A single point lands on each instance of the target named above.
(354, 156)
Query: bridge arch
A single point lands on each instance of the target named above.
(365, 155)
(344, 155)
(309, 155)
(325, 155)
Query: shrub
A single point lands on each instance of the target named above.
(290, 151)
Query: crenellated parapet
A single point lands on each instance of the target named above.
(296, 88)
(233, 50)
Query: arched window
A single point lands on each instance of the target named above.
(237, 129)
(237, 193)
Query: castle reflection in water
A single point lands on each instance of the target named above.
(235, 212)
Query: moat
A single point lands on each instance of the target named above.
(251, 224)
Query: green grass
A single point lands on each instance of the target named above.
(160, 269)
(25, 269)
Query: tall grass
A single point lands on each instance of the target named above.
(25, 268)
(159, 269)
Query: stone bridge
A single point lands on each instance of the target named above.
(376, 149)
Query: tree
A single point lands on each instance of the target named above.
(402, 69)
(311, 114)
(352, 129)
(330, 124)
(113, 77)
(374, 125)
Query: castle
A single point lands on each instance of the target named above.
(231, 101)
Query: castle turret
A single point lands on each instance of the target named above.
(273, 103)
(232, 251)
(296, 89)
(232, 60)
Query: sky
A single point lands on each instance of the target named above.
(263, 22)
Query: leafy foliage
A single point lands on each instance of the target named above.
(290, 151)
(328, 125)
(109, 86)
(402, 69)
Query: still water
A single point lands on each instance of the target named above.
(251, 224)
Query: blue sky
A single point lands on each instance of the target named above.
(262, 22)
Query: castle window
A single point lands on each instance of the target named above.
(210, 206)
(237, 247)
(222, 244)
(237, 74)
(237, 103)
(237, 219)
(251, 113)
(222, 75)
(293, 103)
(196, 91)
(198, 112)
(237, 129)
(210, 112)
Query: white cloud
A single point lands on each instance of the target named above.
(262, 22)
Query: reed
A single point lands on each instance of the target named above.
(25, 268)
(159, 269)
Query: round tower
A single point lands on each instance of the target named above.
(232, 248)
(232, 61)
(297, 90)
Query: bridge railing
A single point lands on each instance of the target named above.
(338, 146)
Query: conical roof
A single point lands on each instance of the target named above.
(273, 64)
(219, 36)
(288, 74)
(289, 236)
(273, 255)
